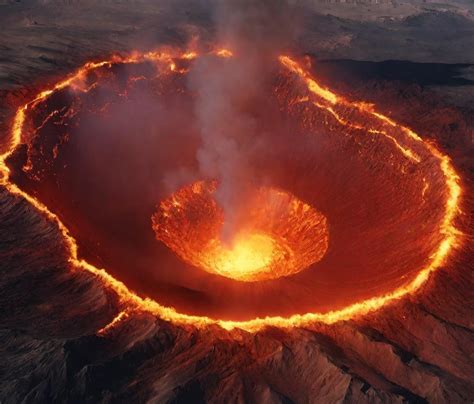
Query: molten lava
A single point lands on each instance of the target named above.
(249, 257)
(279, 235)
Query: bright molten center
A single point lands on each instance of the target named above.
(247, 256)
(280, 235)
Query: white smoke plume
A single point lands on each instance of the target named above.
(230, 96)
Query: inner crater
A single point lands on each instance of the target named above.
(278, 235)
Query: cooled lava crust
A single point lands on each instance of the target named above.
(96, 154)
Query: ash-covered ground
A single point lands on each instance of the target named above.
(413, 59)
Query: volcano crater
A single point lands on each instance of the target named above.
(103, 150)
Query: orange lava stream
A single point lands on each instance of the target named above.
(450, 235)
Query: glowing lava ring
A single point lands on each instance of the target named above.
(406, 142)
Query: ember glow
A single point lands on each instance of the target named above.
(279, 234)
(263, 250)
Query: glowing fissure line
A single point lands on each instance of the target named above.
(335, 99)
(406, 152)
(130, 300)
(115, 321)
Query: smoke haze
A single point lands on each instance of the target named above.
(230, 96)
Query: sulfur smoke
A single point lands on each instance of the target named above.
(231, 97)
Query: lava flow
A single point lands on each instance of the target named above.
(278, 236)
(315, 239)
